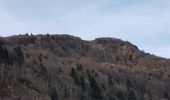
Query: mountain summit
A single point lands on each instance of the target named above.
(64, 67)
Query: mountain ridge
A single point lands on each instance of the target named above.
(64, 67)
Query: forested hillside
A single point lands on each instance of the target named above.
(64, 67)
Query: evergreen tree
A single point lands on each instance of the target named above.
(27, 34)
(78, 78)
(132, 95)
(19, 54)
(53, 94)
(4, 57)
(96, 92)
(40, 57)
(48, 35)
(73, 74)
(1, 51)
(32, 35)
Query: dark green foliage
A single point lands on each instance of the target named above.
(60, 70)
(73, 73)
(82, 83)
(110, 81)
(24, 81)
(40, 57)
(4, 56)
(66, 92)
(19, 54)
(121, 95)
(1, 50)
(79, 79)
(53, 94)
(27, 34)
(132, 95)
(96, 92)
(48, 35)
(32, 35)
(75, 76)
(166, 95)
(27, 55)
(43, 72)
(128, 83)
(79, 67)
(87, 71)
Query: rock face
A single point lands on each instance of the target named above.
(64, 67)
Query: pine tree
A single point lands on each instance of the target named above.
(19, 54)
(32, 35)
(73, 73)
(48, 35)
(96, 92)
(1, 51)
(4, 57)
(53, 94)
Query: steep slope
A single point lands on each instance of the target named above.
(64, 67)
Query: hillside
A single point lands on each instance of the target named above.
(64, 67)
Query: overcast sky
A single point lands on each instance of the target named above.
(145, 23)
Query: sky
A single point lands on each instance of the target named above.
(145, 23)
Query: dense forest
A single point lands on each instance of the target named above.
(64, 67)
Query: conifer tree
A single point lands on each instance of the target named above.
(19, 54)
